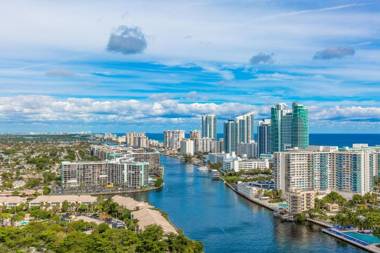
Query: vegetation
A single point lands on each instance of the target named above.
(361, 212)
(50, 232)
(159, 182)
(215, 166)
(300, 218)
(66, 237)
(248, 176)
(274, 195)
(33, 161)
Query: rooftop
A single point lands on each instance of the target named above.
(62, 198)
(146, 217)
(130, 203)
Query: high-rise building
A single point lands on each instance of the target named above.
(264, 136)
(187, 147)
(245, 128)
(172, 138)
(248, 150)
(230, 136)
(102, 174)
(195, 134)
(348, 171)
(209, 126)
(134, 139)
(289, 128)
(300, 126)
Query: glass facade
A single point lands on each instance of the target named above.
(300, 126)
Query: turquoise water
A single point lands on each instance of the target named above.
(224, 222)
(370, 239)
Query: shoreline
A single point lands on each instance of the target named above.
(110, 192)
(324, 225)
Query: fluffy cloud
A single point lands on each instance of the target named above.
(50, 109)
(262, 58)
(127, 40)
(334, 53)
(348, 114)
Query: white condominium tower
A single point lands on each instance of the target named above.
(245, 128)
(172, 138)
(209, 126)
(348, 171)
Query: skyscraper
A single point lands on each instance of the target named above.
(172, 138)
(300, 126)
(245, 128)
(264, 136)
(289, 128)
(230, 136)
(209, 126)
(280, 125)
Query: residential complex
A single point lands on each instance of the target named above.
(244, 128)
(238, 131)
(137, 140)
(172, 138)
(209, 126)
(107, 152)
(120, 172)
(187, 147)
(348, 171)
(300, 201)
(264, 137)
(230, 136)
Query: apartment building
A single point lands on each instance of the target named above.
(348, 171)
(121, 172)
(300, 201)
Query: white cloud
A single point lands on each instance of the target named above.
(46, 108)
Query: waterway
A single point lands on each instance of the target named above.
(208, 211)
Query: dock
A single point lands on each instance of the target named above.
(358, 243)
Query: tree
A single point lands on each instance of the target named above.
(376, 231)
(46, 190)
(65, 206)
(158, 182)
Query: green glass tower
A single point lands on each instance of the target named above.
(300, 126)
(290, 128)
(281, 118)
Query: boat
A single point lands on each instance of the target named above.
(215, 174)
(202, 168)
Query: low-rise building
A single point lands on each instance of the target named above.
(57, 200)
(130, 203)
(250, 164)
(146, 217)
(300, 201)
(11, 201)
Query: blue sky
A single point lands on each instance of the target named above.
(151, 65)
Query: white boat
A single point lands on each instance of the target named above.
(203, 168)
(215, 174)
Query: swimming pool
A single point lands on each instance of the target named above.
(368, 238)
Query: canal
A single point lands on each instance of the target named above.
(208, 211)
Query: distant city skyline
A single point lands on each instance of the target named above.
(121, 66)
